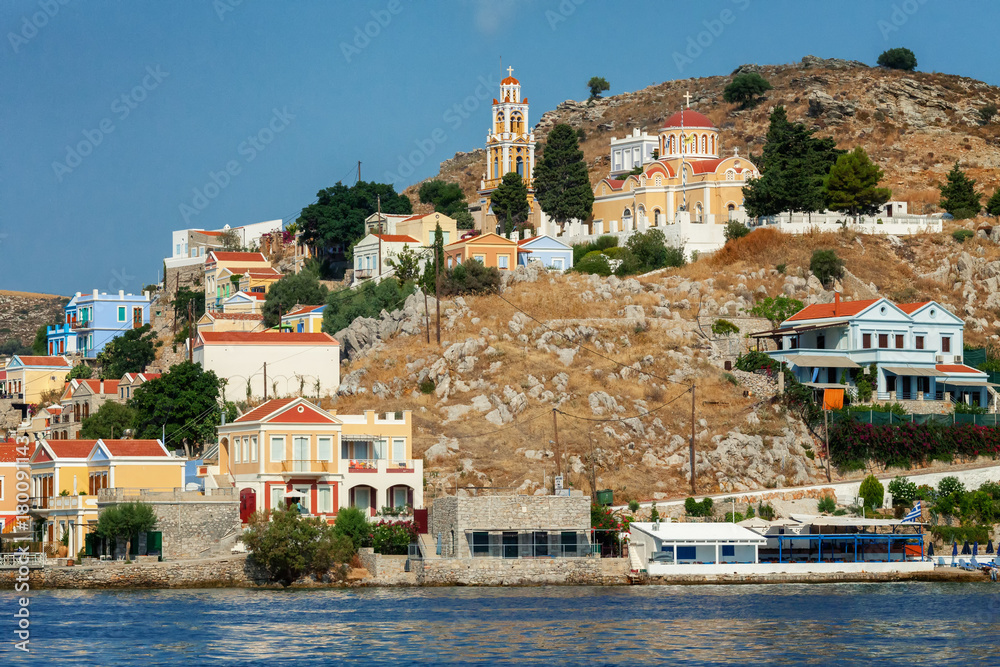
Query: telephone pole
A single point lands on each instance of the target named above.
(437, 287)
(555, 433)
(191, 326)
(693, 490)
(265, 386)
(359, 171)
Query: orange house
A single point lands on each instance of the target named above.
(490, 249)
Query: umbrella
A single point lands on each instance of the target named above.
(294, 495)
(965, 549)
(989, 546)
(954, 549)
(930, 549)
(975, 548)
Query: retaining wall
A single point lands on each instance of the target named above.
(520, 572)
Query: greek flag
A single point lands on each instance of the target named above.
(913, 514)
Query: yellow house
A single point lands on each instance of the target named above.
(220, 266)
(28, 377)
(13, 457)
(306, 319)
(60, 468)
(291, 450)
(422, 227)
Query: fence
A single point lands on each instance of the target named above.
(13, 561)
(889, 418)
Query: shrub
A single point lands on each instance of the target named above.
(826, 504)
(950, 486)
(633, 506)
(735, 230)
(694, 508)
(872, 492)
(903, 490)
(427, 386)
(898, 58)
(393, 538)
(766, 512)
(776, 309)
(288, 546)
(654, 514)
(825, 265)
(352, 523)
(722, 327)
(961, 235)
(746, 89)
(593, 262)
(780, 268)
(987, 112)
(471, 277)
(651, 251)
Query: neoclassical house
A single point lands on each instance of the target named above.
(687, 181)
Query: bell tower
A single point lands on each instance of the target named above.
(510, 143)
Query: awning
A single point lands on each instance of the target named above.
(913, 370)
(819, 361)
(968, 383)
(793, 330)
(824, 385)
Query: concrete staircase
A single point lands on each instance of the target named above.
(428, 546)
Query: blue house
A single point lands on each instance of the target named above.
(552, 253)
(94, 319)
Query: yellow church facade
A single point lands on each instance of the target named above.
(687, 182)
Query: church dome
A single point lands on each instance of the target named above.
(690, 118)
(510, 81)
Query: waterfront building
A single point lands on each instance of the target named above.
(92, 320)
(290, 448)
(914, 349)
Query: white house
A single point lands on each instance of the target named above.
(270, 363)
(916, 349)
(632, 151)
(673, 544)
(373, 252)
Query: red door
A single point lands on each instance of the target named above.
(420, 518)
(248, 504)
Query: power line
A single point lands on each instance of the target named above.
(622, 419)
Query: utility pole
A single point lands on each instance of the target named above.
(593, 469)
(427, 318)
(191, 326)
(826, 428)
(555, 433)
(437, 287)
(359, 171)
(265, 387)
(693, 490)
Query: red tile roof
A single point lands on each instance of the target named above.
(690, 117)
(956, 368)
(304, 310)
(910, 308)
(397, 238)
(224, 256)
(266, 338)
(110, 386)
(71, 449)
(265, 409)
(615, 183)
(819, 311)
(9, 452)
(704, 166)
(44, 361)
(134, 448)
(208, 233)
(263, 273)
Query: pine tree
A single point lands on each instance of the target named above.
(852, 186)
(562, 184)
(959, 196)
(510, 200)
(993, 205)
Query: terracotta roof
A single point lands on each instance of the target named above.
(110, 386)
(397, 238)
(265, 409)
(263, 273)
(704, 166)
(9, 453)
(910, 308)
(690, 117)
(253, 295)
(819, 311)
(304, 310)
(225, 256)
(235, 270)
(71, 449)
(957, 368)
(150, 376)
(509, 80)
(134, 448)
(44, 361)
(615, 183)
(208, 233)
(266, 338)
(237, 316)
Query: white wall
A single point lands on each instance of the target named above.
(236, 363)
(670, 569)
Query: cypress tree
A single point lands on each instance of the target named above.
(510, 200)
(959, 196)
(561, 180)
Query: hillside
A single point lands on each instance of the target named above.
(22, 313)
(915, 125)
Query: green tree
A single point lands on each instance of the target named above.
(301, 288)
(288, 546)
(993, 205)
(722, 327)
(510, 201)
(129, 353)
(597, 85)
(471, 277)
(448, 199)
(81, 371)
(898, 58)
(872, 492)
(184, 401)
(826, 266)
(40, 345)
(353, 525)
(434, 263)
(959, 196)
(852, 185)
(776, 309)
(735, 230)
(231, 241)
(746, 89)
(13, 346)
(338, 216)
(110, 421)
(184, 296)
(651, 251)
(393, 538)
(125, 520)
(405, 265)
(594, 262)
(561, 181)
(793, 166)
(368, 300)
(987, 112)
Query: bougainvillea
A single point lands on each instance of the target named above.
(852, 444)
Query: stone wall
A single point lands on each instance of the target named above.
(386, 570)
(195, 528)
(233, 571)
(520, 571)
(191, 277)
(494, 513)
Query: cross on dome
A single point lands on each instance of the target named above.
(687, 96)
(510, 71)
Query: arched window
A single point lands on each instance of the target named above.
(641, 211)
(520, 166)
(658, 181)
(626, 220)
(731, 207)
(713, 145)
(496, 167)
(500, 120)
(746, 174)
(604, 189)
(516, 123)
(656, 217)
(730, 175)
(704, 143)
(699, 212)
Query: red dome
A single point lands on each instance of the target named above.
(510, 80)
(691, 119)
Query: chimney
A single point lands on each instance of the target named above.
(102, 387)
(95, 292)
(836, 302)
(121, 294)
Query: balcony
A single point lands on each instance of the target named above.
(48, 503)
(81, 324)
(387, 466)
(864, 357)
(307, 467)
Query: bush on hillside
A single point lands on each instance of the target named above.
(826, 266)
(872, 492)
(344, 306)
(898, 58)
(962, 235)
(470, 277)
(593, 262)
(735, 230)
(722, 327)
(903, 490)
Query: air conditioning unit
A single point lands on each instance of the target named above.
(958, 360)
(938, 359)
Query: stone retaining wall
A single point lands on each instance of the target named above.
(386, 570)
(197, 529)
(520, 572)
(215, 573)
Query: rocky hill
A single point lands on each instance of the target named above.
(915, 125)
(22, 313)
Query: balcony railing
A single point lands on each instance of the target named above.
(363, 465)
(61, 502)
(81, 324)
(307, 466)
(383, 465)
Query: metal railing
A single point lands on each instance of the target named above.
(306, 465)
(13, 561)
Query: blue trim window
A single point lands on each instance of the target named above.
(121, 313)
(686, 553)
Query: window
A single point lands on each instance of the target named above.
(277, 449)
(277, 495)
(866, 341)
(899, 342)
(686, 553)
(400, 497)
(558, 263)
(919, 340)
(121, 313)
(820, 342)
(503, 261)
(568, 542)
(324, 448)
(883, 340)
(246, 449)
(480, 543)
(445, 235)
(236, 451)
(945, 343)
(324, 500)
(480, 258)
(541, 542)
(729, 550)
(253, 449)
(399, 449)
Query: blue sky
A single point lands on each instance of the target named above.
(120, 119)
